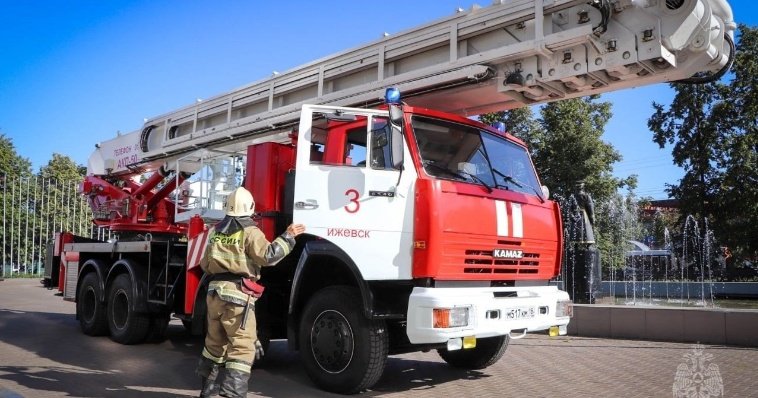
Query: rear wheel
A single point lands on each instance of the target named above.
(342, 351)
(126, 325)
(89, 309)
(487, 351)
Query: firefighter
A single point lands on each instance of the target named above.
(235, 253)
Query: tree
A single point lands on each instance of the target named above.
(714, 132)
(737, 197)
(690, 126)
(11, 163)
(13, 170)
(64, 209)
(573, 150)
(62, 168)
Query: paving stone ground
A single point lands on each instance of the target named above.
(44, 354)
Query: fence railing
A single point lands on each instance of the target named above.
(33, 210)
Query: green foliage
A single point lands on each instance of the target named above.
(737, 221)
(61, 177)
(713, 130)
(35, 207)
(62, 168)
(616, 223)
(573, 150)
(690, 126)
(11, 164)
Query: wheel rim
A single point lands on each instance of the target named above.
(89, 303)
(120, 309)
(332, 341)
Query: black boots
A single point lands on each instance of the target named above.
(209, 371)
(235, 384)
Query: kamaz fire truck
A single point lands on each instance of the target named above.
(425, 229)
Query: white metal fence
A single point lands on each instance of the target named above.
(33, 209)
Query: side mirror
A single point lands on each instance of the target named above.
(396, 115)
(397, 147)
(396, 124)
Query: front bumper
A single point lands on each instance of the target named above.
(492, 312)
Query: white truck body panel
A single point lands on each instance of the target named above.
(375, 231)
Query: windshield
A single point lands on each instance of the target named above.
(464, 153)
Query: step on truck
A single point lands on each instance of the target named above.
(426, 230)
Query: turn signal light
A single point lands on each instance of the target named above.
(419, 244)
(441, 318)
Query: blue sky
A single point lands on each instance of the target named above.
(73, 73)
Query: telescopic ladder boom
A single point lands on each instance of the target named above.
(504, 56)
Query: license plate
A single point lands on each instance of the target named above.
(520, 313)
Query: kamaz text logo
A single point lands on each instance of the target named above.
(505, 253)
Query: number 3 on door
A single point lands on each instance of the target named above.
(353, 196)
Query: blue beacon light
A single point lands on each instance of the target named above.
(392, 96)
(499, 126)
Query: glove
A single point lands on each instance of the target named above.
(259, 353)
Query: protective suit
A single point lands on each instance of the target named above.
(234, 255)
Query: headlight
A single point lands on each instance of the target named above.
(450, 317)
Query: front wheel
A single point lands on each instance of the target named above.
(342, 351)
(126, 325)
(487, 351)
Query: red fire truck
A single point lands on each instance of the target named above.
(425, 229)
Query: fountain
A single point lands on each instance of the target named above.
(666, 288)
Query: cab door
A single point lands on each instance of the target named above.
(347, 192)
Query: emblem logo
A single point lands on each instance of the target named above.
(695, 377)
(507, 253)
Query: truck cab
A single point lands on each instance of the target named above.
(442, 232)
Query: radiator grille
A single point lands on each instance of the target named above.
(474, 254)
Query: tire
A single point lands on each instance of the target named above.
(126, 326)
(333, 321)
(90, 311)
(487, 351)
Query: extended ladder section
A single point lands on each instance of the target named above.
(508, 55)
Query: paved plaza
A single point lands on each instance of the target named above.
(44, 354)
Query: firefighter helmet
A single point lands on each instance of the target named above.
(240, 203)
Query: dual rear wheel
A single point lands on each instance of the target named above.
(116, 315)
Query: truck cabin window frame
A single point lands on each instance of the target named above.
(462, 153)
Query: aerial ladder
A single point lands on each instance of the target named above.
(387, 246)
(508, 55)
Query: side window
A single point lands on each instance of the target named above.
(339, 141)
(380, 148)
(318, 140)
